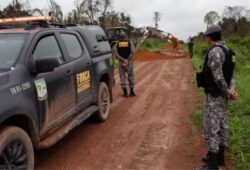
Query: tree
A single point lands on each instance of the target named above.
(55, 11)
(14, 9)
(114, 19)
(247, 12)
(229, 26)
(244, 26)
(104, 6)
(97, 12)
(235, 12)
(93, 10)
(86, 10)
(211, 17)
(124, 20)
(78, 15)
(157, 18)
(235, 21)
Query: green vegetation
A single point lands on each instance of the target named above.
(239, 111)
(152, 44)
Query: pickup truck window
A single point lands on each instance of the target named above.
(48, 47)
(73, 45)
(10, 47)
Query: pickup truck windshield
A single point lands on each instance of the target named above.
(10, 47)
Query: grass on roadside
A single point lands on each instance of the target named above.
(152, 44)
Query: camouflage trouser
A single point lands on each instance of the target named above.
(215, 122)
(124, 72)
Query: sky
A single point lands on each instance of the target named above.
(182, 18)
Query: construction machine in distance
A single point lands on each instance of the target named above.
(114, 32)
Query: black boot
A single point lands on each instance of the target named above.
(205, 158)
(125, 92)
(132, 93)
(221, 159)
(212, 162)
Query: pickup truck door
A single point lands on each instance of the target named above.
(60, 102)
(82, 71)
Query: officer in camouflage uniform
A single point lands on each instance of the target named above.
(218, 83)
(124, 51)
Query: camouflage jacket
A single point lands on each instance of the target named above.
(216, 59)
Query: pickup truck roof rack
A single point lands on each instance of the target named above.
(72, 25)
(33, 22)
(43, 24)
(4, 27)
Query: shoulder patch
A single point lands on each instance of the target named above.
(217, 49)
(123, 44)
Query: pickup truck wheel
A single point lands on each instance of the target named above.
(16, 150)
(103, 102)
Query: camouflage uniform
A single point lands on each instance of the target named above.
(215, 114)
(129, 69)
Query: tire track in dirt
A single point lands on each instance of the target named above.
(158, 139)
(127, 119)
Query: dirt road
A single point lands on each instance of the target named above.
(150, 131)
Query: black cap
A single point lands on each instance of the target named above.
(212, 29)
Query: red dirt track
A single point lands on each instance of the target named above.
(150, 131)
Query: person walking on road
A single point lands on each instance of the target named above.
(124, 51)
(190, 46)
(217, 80)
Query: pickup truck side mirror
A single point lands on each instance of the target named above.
(46, 64)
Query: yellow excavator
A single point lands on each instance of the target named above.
(159, 34)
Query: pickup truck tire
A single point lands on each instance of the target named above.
(103, 103)
(16, 150)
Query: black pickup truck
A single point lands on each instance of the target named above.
(51, 80)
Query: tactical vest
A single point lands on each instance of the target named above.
(124, 49)
(228, 69)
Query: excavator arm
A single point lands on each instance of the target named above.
(158, 33)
